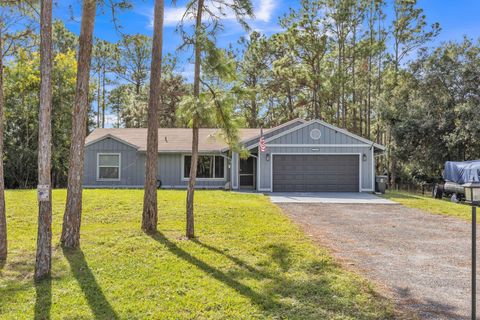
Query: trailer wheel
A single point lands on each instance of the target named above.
(437, 192)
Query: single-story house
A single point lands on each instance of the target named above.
(300, 156)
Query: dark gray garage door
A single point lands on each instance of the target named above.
(315, 173)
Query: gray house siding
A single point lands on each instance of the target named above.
(170, 171)
(132, 167)
(328, 136)
(294, 138)
(274, 132)
(330, 142)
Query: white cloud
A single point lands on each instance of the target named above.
(263, 11)
(172, 16)
(110, 120)
(267, 29)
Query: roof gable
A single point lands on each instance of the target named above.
(180, 139)
(329, 135)
(273, 131)
(95, 139)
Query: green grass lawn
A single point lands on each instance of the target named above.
(429, 204)
(248, 262)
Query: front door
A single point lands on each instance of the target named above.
(247, 173)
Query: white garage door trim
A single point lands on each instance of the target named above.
(272, 155)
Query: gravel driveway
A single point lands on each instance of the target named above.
(421, 260)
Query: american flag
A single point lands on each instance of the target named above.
(261, 142)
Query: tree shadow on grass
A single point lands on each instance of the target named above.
(43, 299)
(97, 301)
(257, 298)
(257, 273)
(281, 256)
(315, 298)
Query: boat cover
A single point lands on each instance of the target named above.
(462, 172)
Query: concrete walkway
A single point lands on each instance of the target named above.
(421, 260)
(328, 197)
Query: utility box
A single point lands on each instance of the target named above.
(381, 184)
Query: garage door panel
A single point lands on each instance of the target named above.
(315, 173)
(332, 179)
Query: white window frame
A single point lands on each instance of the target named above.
(206, 179)
(119, 165)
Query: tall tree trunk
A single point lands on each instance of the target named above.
(138, 85)
(354, 84)
(3, 217)
(378, 133)
(339, 70)
(73, 210)
(354, 120)
(103, 97)
(253, 113)
(391, 139)
(344, 105)
(43, 260)
(316, 110)
(291, 108)
(149, 216)
(371, 24)
(98, 100)
(252, 121)
(361, 116)
(379, 76)
(190, 230)
(319, 102)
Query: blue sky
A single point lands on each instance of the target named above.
(456, 17)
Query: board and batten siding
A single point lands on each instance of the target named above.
(132, 168)
(293, 138)
(274, 132)
(331, 142)
(328, 136)
(170, 166)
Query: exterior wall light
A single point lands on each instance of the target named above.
(364, 157)
(472, 193)
(267, 156)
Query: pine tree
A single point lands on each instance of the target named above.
(150, 215)
(73, 210)
(44, 238)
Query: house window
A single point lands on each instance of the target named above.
(208, 167)
(108, 166)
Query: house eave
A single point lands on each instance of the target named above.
(306, 123)
(185, 151)
(110, 136)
